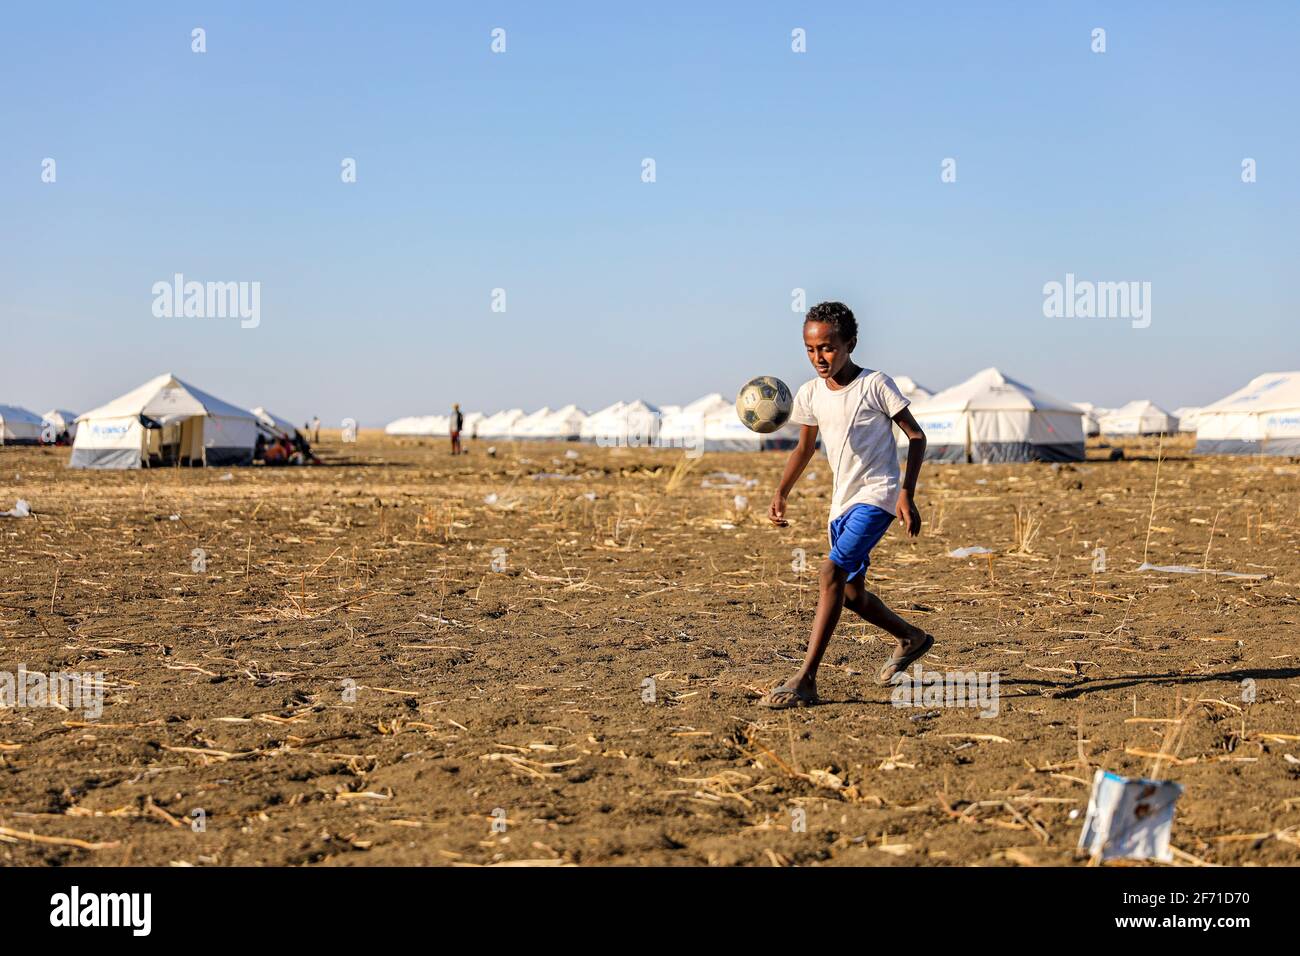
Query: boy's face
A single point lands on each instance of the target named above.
(826, 350)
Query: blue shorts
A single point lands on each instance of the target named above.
(854, 534)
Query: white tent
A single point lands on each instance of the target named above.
(422, 425)
(165, 420)
(1187, 417)
(60, 420)
(277, 426)
(911, 390)
(1139, 417)
(1262, 418)
(499, 425)
(914, 393)
(563, 424)
(684, 428)
(522, 428)
(18, 426)
(990, 417)
(724, 431)
(624, 424)
(1091, 417)
(598, 420)
(431, 425)
(403, 426)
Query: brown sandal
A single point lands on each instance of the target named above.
(898, 663)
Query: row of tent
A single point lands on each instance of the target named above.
(988, 417)
(709, 423)
(164, 420)
(991, 417)
(1141, 417)
(18, 426)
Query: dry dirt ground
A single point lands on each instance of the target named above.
(404, 658)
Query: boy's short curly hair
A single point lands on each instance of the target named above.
(837, 315)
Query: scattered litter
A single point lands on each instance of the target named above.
(967, 552)
(492, 451)
(981, 481)
(554, 475)
(741, 502)
(727, 479)
(1129, 819)
(726, 526)
(21, 510)
(490, 499)
(228, 476)
(174, 518)
(1188, 569)
(590, 495)
(570, 454)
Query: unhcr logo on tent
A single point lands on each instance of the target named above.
(1084, 299)
(208, 300)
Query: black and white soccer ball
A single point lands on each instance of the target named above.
(764, 404)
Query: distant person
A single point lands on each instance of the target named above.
(455, 425)
(276, 452)
(315, 430)
(457, 422)
(303, 449)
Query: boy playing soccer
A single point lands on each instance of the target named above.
(852, 408)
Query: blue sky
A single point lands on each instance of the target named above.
(522, 171)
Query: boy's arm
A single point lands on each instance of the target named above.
(908, 516)
(794, 467)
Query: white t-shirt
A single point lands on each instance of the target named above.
(857, 433)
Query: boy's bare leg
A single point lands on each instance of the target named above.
(831, 582)
(874, 611)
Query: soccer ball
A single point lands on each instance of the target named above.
(764, 404)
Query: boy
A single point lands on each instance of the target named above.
(852, 408)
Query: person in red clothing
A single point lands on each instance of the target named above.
(457, 422)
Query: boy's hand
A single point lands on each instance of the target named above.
(908, 516)
(777, 511)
